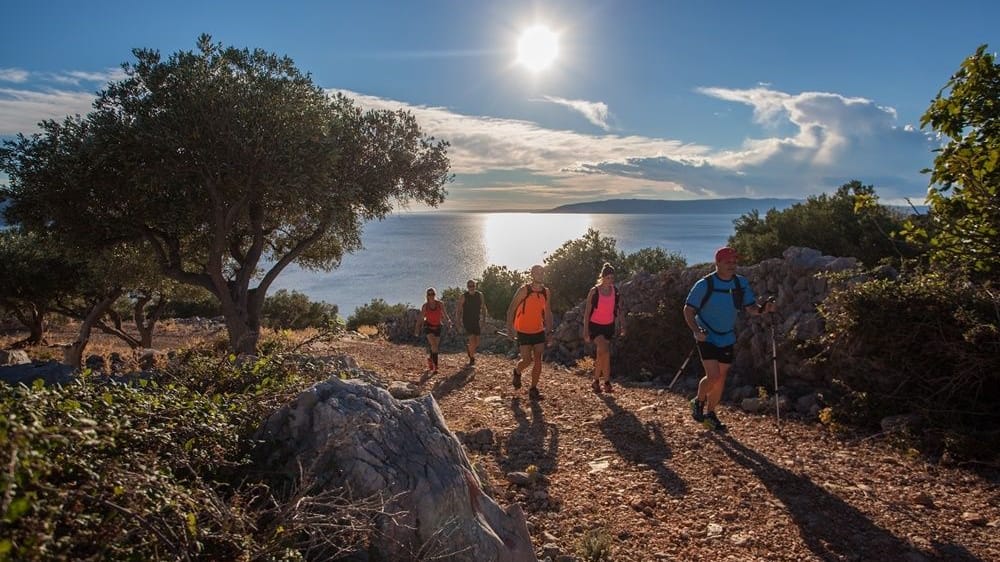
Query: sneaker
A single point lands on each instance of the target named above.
(533, 394)
(711, 421)
(596, 387)
(472, 360)
(697, 409)
(516, 380)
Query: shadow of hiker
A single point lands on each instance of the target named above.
(533, 442)
(640, 443)
(831, 528)
(446, 386)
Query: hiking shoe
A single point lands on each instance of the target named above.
(697, 409)
(533, 394)
(596, 387)
(607, 387)
(472, 360)
(516, 380)
(430, 364)
(712, 422)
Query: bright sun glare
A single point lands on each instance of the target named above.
(537, 48)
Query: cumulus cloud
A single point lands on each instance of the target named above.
(594, 111)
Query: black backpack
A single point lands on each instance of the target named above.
(737, 292)
(594, 300)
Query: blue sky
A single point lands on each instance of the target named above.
(646, 99)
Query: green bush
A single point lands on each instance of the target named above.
(294, 311)
(375, 313)
(650, 260)
(158, 470)
(572, 269)
(928, 344)
(193, 301)
(498, 287)
(849, 223)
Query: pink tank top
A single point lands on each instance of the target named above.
(605, 311)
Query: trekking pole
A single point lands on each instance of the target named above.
(683, 365)
(774, 363)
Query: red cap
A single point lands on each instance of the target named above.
(726, 253)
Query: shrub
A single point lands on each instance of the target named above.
(928, 344)
(498, 287)
(194, 301)
(572, 269)
(294, 311)
(162, 470)
(650, 260)
(848, 223)
(375, 313)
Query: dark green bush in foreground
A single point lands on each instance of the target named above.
(927, 345)
(156, 470)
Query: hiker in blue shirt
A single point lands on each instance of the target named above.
(710, 312)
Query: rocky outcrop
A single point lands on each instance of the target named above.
(356, 436)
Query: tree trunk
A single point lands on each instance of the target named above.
(74, 353)
(34, 320)
(145, 321)
(355, 436)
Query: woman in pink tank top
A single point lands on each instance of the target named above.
(600, 315)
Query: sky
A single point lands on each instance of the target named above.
(639, 99)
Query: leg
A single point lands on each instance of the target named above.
(525, 358)
(602, 365)
(536, 368)
(434, 342)
(716, 387)
(473, 345)
(706, 384)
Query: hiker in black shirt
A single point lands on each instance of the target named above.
(472, 307)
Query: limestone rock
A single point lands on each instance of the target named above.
(356, 436)
(14, 357)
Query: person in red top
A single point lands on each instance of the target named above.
(529, 314)
(600, 314)
(431, 315)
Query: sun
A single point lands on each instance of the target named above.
(537, 48)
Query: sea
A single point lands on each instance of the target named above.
(406, 253)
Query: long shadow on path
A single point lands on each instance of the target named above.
(640, 443)
(444, 387)
(831, 528)
(533, 442)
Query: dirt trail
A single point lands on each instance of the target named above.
(635, 464)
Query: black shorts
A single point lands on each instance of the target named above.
(472, 329)
(606, 330)
(710, 352)
(432, 330)
(530, 339)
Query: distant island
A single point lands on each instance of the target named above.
(731, 206)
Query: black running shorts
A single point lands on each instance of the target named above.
(606, 330)
(432, 330)
(530, 339)
(710, 352)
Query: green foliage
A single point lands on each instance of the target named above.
(498, 287)
(223, 160)
(294, 311)
(927, 345)
(849, 223)
(155, 470)
(375, 313)
(572, 269)
(650, 260)
(963, 229)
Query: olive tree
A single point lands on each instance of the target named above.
(231, 164)
(964, 198)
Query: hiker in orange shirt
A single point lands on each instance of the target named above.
(530, 316)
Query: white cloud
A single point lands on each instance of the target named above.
(21, 110)
(594, 111)
(15, 75)
(77, 77)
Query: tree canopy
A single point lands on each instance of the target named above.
(231, 164)
(964, 223)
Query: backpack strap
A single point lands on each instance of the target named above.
(527, 293)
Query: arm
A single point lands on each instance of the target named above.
(420, 317)
(765, 307)
(461, 305)
(485, 313)
(621, 320)
(548, 319)
(444, 314)
(689, 314)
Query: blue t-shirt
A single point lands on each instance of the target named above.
(718, 317)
